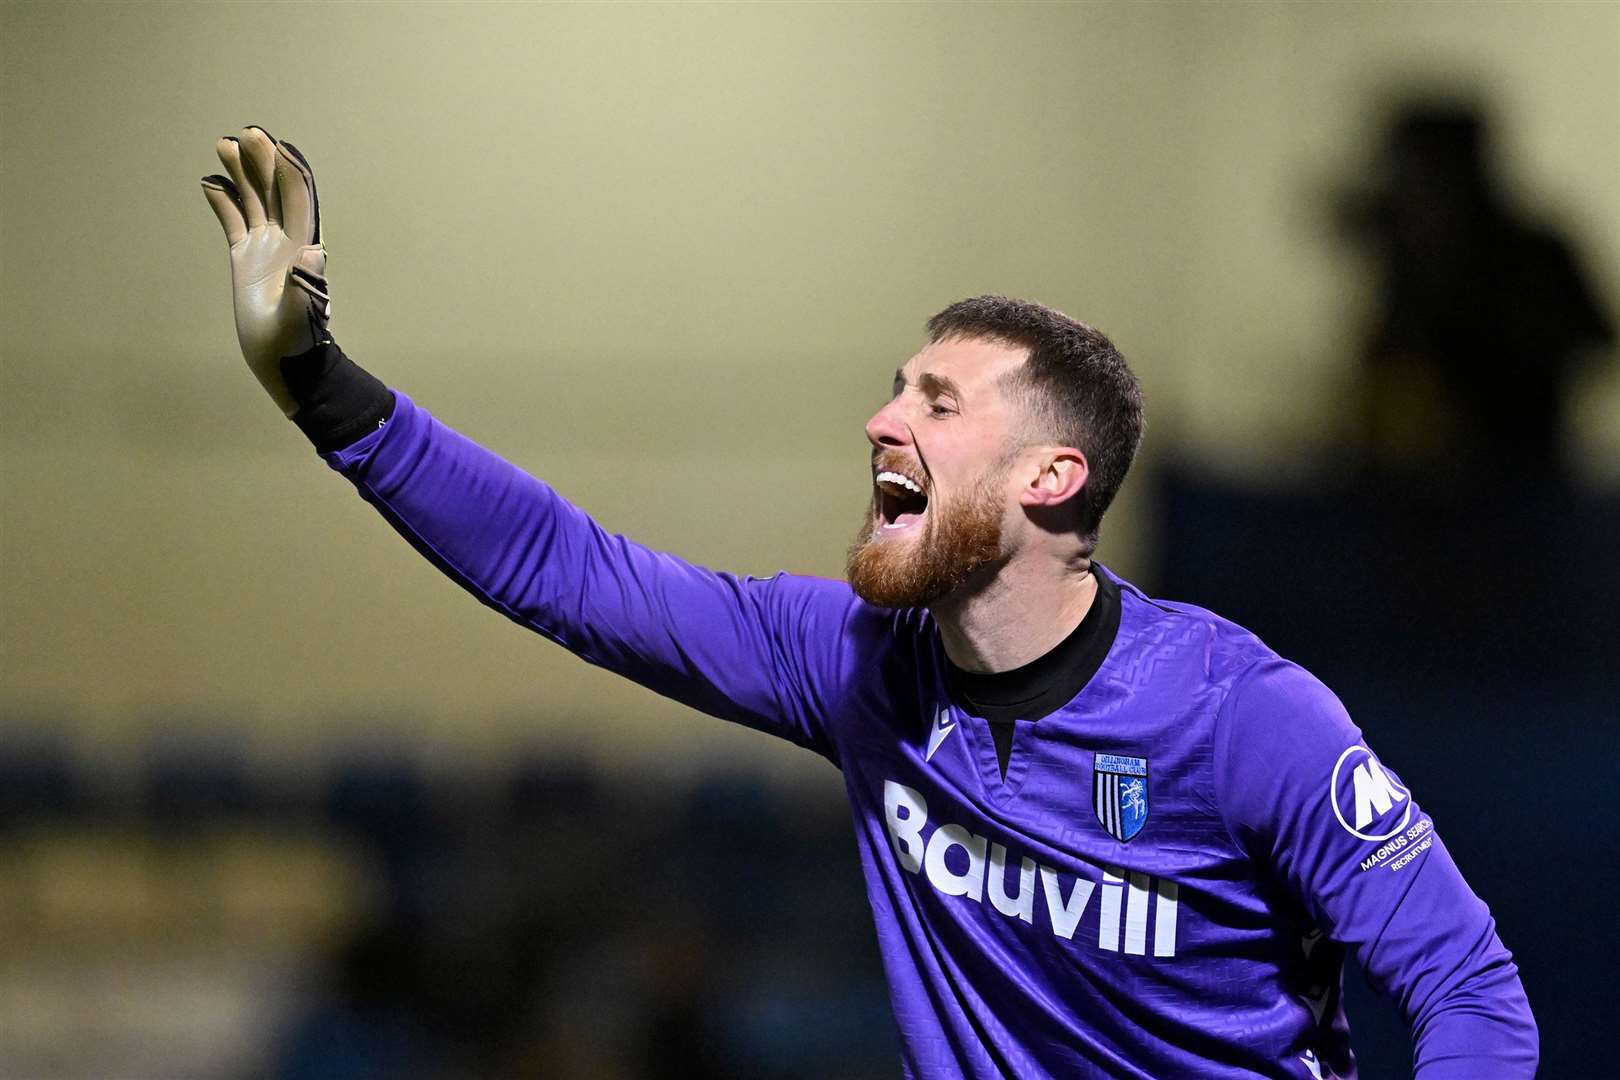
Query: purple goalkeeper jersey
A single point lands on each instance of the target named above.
(1162, 884)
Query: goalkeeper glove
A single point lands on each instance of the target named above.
(272, 221)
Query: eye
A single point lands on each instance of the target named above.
(938, 409)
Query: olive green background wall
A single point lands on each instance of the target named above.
(665, 257)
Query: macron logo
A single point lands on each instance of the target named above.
(941, 729)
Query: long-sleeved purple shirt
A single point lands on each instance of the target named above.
(1163, 883)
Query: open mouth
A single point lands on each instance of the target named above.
(900, 500)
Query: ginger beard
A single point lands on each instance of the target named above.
(958, 538)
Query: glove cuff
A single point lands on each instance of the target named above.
(338, 400)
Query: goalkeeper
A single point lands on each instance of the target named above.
(1102, 834)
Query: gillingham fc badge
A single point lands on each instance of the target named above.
(1119, 794)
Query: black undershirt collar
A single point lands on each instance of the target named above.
(1046, 683)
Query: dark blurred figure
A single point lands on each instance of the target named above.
(1483, 318)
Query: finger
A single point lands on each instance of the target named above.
(258, 150)
(230, 153)
(300, 205)
(222, 197)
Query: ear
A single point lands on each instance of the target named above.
(1062, 474)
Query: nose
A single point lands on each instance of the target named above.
(887, 427)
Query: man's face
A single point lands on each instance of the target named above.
(941, 487)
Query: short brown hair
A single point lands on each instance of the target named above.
(1075, 385)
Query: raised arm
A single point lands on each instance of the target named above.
(777, 654)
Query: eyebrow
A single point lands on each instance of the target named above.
(938, 386)
(929, 383)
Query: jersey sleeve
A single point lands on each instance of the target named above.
(771, 653)
(1306, 798)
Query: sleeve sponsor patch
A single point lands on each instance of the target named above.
(1368, 803)
(1372, 805)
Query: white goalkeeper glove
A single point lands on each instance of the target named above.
(272, 221)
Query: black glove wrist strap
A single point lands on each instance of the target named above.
(338, 400)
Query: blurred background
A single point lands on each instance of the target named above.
(278, 800)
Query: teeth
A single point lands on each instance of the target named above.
(903, 481)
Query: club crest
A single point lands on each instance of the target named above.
(1119, 794)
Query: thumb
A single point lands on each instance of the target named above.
(309, 274)
(312, 260)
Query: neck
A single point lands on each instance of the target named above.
(1020, 614)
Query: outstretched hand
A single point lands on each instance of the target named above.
(272, 221)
